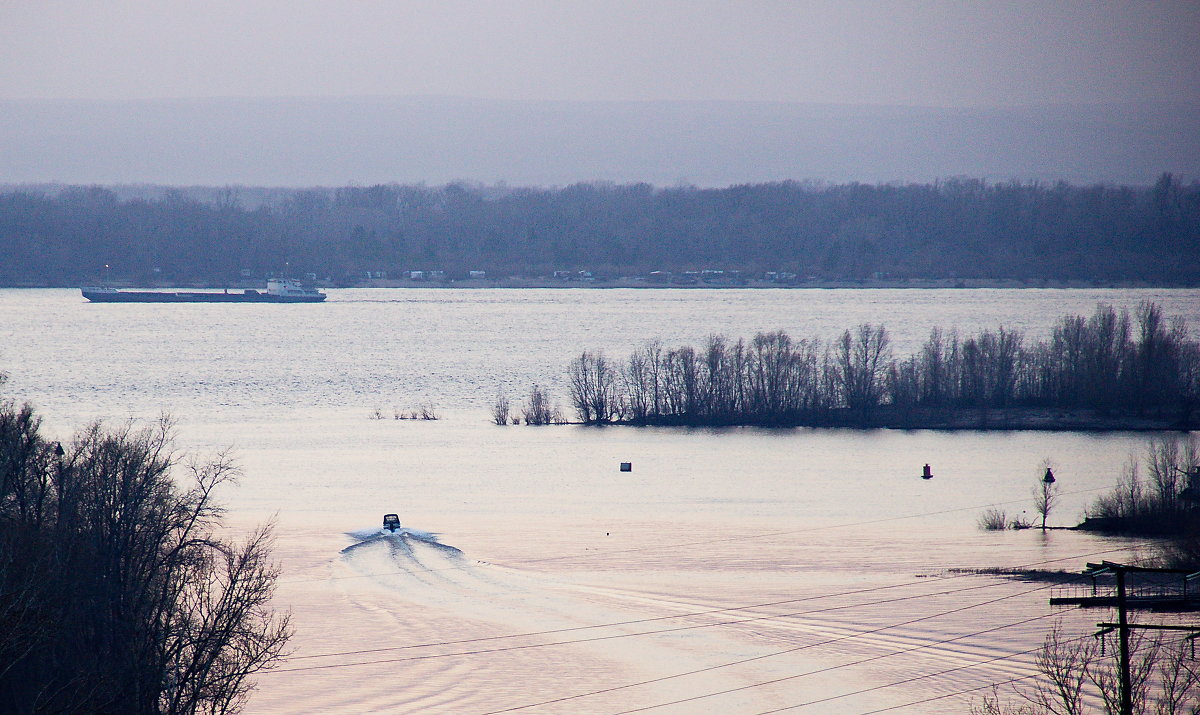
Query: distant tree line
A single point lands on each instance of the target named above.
(1110, 363)
(945, 230)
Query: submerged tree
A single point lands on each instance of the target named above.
(593, 382)
(117, 593)
(1045, 493)
(537, 409)
(501, 409)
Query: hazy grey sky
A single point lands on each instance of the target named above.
(912, 52)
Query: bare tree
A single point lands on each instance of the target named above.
(994, 704)
(594, 389)
(501, 409)
(1167, 461)
(933, 370)
(1045, 492)
(1063, 663)
(1076, 673)
(127, 599)
(537, 409)
(1104, 673)
(861, 359)
(1178, 680)
(1127, 500)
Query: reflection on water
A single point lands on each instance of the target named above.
(735, 570)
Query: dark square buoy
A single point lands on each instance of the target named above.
(626, 466)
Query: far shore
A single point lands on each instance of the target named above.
(599, 283)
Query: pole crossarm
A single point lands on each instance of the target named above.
(1180, 594)
(1110, 627)
(1107, 567)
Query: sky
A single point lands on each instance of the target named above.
(935, 53)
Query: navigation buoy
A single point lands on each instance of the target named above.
(927, 474)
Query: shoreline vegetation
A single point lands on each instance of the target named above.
(1110, 371)
(1155, 497)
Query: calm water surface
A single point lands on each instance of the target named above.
(732, 571)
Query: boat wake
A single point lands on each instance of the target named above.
(365, 536)
(418, 567)
(405, 547)
(414, 590)
(403, 558)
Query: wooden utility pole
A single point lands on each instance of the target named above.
(1123, 626)
(1123, 633)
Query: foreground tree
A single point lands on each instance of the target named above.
(117, 594)
(1077, 676)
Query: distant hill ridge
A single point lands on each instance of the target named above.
(365, 140)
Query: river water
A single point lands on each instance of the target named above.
(731, 571)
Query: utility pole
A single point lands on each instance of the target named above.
(1123, 633)
(1123, 626)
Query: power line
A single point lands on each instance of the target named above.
(735, 621)
(1007, 656)
(790, 650)
(955, 694)
(690, 614)
(845, 665)
(708, 612)
(1123, 626)
(959, 692)
(906, 681)
(777, 653)
(644, 633)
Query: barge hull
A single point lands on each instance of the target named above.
(156, 297)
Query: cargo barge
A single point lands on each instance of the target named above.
(279, 290)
